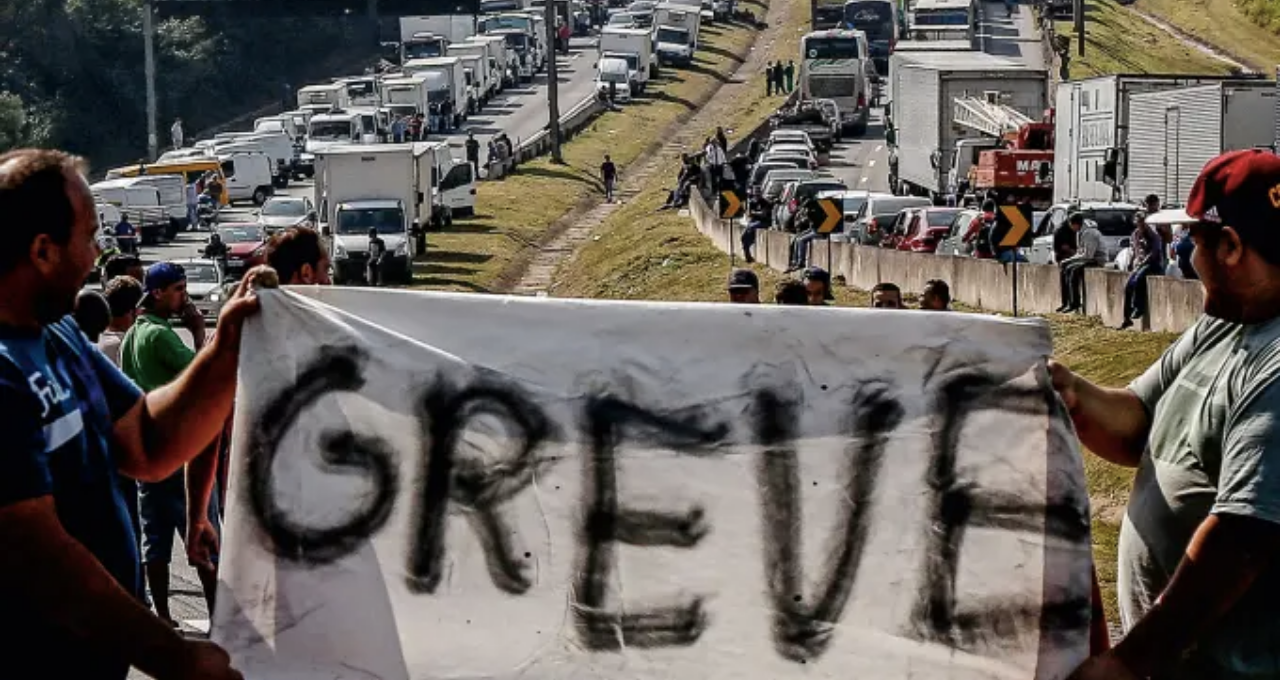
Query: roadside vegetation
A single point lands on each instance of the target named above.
(1244, 29)
(514, 214)
(71, 72)
(1117, 41)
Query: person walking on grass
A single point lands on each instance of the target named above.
(789, 73)
(768, 80)
(609, 176)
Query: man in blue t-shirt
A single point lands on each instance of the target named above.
(72, 422)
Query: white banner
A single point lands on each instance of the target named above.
(437, 486)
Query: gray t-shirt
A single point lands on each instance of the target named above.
(1214, 447)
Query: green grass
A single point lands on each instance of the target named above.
(484, 253)
(1246, 30)
(1117, 41)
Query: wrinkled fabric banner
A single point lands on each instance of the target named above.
(448, 486)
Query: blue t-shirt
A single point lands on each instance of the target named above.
(61, 397)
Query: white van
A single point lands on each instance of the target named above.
(140, 202)
(248, 177)
(277, 146)
(614, 70)
(173, 196)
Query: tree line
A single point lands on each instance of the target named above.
(72, 71)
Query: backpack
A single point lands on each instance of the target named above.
(982, 243)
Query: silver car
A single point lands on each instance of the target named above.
(206, 286)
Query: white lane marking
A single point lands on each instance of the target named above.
(879, 146)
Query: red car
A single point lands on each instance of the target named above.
(246, 246)
(923, 228)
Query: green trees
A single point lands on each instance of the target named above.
(71, 71)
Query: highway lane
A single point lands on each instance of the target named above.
(521, 111)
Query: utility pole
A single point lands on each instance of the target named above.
(149, 67)
(553, 85)
(1079, 16)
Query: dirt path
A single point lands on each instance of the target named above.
(1190, 40)
(687, 136)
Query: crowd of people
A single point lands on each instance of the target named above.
(115, 432)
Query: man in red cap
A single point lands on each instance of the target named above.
(1199, 582)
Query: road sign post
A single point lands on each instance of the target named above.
(1012, 233)
(730, 206)
(831, 217)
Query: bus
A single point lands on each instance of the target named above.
(882, 21)
(835, 65)
(944, 20)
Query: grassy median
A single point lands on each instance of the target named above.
(514, 214)
(1118, 41)
(1246, 31)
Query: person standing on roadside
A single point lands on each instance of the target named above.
(69, 576)
(768, 79)
(377, 250)
(175, 133)
(1198, 576)
(716, 161)
(608, 175)
(153, 355)
(789, 73)
(722, 139)
(473, 152)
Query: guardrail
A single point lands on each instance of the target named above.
(539, 143)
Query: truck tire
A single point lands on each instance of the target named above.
(260, 196)
(281, 181)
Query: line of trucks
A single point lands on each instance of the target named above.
(629, 57)
(960, 120)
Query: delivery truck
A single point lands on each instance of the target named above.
(1174, 133)
(1092, 130)
(635, 45)
(924, 89)
(453, 72)
(487, 63)
(506, 61)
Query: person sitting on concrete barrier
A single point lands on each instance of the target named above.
(791, 292)
(936, 296)
(1148, 259)
(688, 179)
(812, 215)
(757, 218)
(817, 286)
(744, 287)
(886, 295)
(1090, 253)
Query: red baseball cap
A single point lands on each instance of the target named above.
(1240, 189)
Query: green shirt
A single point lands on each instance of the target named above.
(152, 353)
(1214, 448)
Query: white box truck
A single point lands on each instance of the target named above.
(477, 78)
(408, 94)
(924, 110)
(1091, 131)
(323, 97)
(487, 63)
(1174, 133)
(636, 46)
(670, 15)
(370, 187)
(507, 62)
(452, 71)
(455, 27)
(278, 147)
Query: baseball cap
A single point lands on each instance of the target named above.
(1240, 189)
(743, 278)
(161, 275)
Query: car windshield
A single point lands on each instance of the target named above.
(640, 7)
(385, 220)
(244, 234)
(200, 273)
(793, 161)
(330, 130)
(621, 20)
(284, 209)
(941, 218)
(1113, 222)
(613, 77)
(516, 40)
(831, 48)
(671, 35)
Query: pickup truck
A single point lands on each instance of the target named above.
(807, 117)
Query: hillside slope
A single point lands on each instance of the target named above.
(1248, 30)
(1119, 41)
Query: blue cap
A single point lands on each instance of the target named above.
(161, 275)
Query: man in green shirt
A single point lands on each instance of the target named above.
(1199, 582)
(153, 355)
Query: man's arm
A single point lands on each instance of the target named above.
(1225, 556)
(51, 571)
(1112, 423)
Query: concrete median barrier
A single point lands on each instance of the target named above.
(1173, 304)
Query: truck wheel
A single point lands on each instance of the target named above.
(280, 181)
(260, 196)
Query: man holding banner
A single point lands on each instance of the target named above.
(70, 581)
(1199, 583)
